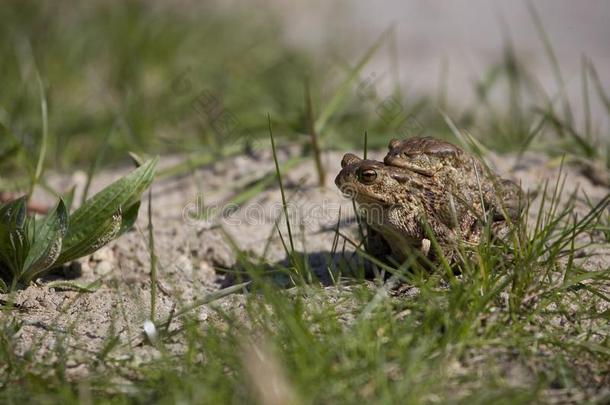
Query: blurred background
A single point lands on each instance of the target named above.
(463, 37)
(197, 79)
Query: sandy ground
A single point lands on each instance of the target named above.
(190, 249)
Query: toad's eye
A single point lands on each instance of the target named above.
(367, 176)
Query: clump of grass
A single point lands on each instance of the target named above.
(527, 117)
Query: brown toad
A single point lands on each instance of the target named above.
(465, 176)
(427, 189)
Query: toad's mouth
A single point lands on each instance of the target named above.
(353, 193)
(371, 200)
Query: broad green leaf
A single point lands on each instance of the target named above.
(106, 215)
(122, 193)
(116, 225)
(104, 233)
(46, 242)
(14, 244)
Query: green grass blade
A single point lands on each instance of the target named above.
(153, 260)
(599, 87)
(44, 138)
(342, 93)
(214, 296)
(314, 136)
(548, 47)
(586, 104)
(95, 164)
(365, 149)
(281, 183)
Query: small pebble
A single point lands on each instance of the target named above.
(103, 268)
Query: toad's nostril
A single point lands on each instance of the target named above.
(338, 180)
